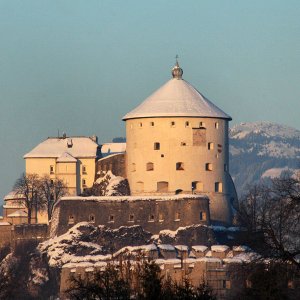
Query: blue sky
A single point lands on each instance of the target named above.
(79, 66)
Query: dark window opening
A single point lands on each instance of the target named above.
(179, 166)
(178, 191)
(156, 146)
(150, 166)
(92, 218)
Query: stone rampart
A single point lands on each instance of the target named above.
(152, 213)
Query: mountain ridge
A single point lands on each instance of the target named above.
(262, 149)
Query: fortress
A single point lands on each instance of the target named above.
(175, 161)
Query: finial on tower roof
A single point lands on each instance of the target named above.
(177, 71)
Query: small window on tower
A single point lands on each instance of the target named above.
(187, 124)
(156, 146)
(202, 124)
(180, 166)
(111, 219)
(217, 125)
(172, 124)
(218, 187)
(140, 125)
(151, 123)
(183, 144)
(208, 167)
(150, 166)
(131, 218)
(83, 182)
(177, 216)
(210, 146)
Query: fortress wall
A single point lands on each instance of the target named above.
(5, 234)
(29, 232)
(153, 214)
(115, 163)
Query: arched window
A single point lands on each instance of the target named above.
(217, 125)
(187, 124)
(177, 216)
(149, 166)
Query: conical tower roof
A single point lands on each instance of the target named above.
(176, 98)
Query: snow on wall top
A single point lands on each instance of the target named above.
(132, 198)
(55, 147)
(176, 98)
(112, 148)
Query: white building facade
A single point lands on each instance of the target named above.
(177, 142)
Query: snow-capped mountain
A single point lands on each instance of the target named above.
(262, 149)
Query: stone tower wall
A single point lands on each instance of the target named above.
(191, 151)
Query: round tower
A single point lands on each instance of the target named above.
(177, 142)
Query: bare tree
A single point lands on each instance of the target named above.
(28, 185)
(271, 214)
(51, 190)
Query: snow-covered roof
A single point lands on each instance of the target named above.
(241, 248)
(219, 248)
(18, 213)
(166, 247)
(113, 148)
(13, 195)
(4, 223)
(181, 247)
(55, 147)
(199, 248)
(176, 98)
(66, 157)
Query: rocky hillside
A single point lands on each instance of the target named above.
(262, 149)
